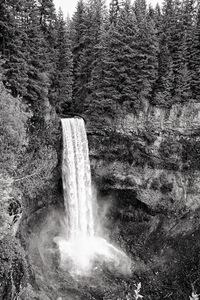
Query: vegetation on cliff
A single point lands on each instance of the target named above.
(13, 142)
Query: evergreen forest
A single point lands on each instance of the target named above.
(101, 59)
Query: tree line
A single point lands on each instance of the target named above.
(102, 59)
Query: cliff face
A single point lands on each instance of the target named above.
(148, 166)
(155, 153)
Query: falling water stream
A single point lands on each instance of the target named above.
(77, 180)
(81, 245)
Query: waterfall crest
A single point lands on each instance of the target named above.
(80, 247)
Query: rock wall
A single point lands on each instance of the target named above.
(155, 153)
(147, 165)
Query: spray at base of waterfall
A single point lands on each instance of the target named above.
(79, 256)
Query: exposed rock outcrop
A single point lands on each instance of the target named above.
(155, 153)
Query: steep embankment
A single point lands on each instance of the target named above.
(148, 166)
(155, 153)
(29, 179)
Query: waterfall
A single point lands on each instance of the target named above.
(77, 180)
(79, 245)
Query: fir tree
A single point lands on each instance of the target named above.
(173, 28)
(47, 12)
(140, 8)
(156, 15)
(195, 60)
(163, 88)
(116, 68)
(122, 51)
(147, 53)
(64, 67)
(114, 11)
(5, 24)
(38, 62)
(47, 15)
(79, 44)
(15, 48)
(183, 90)
(99, 68)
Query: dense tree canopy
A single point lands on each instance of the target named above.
(102, 59)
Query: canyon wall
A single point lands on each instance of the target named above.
(155, 153)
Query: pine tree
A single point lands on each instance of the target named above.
(188, 20)
(122, 48)
(147, 53)
(64, 67)
(47, 15)
(97, 32)
(195, 59)
(163, 88)
(48, 26)
(5, 30)
(156, 15)
(116, 75)
(97, 100)
(173, 28)
(14, 48)
(38, 63)
(140, 8)
(79, 45)
(183, 88)
(183, 91)
(114, 10)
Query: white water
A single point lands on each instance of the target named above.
(77, 180)
(80, 245)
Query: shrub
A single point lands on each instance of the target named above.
(13, 142)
